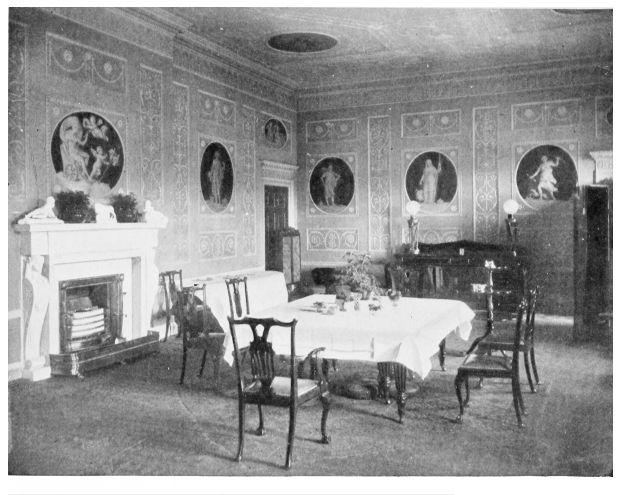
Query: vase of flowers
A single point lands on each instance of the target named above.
(356, 274)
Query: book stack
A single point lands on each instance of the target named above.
(86, 324)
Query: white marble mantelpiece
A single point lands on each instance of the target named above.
(51, 253)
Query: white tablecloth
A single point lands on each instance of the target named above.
(265, 289)
(408, 333)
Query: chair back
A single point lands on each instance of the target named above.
(172, 282)
(530, 317)
(516, 344)
(192, 311)
(233, 287)
(261, 351)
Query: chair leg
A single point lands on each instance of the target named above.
(516, 401)
(457, 387)
(167, 328)
(520, 396)
(291, 437)
(202, 363)
(528, 371)
(466, 403)
(241, 428)
(442, 354)
(260, 431)
(325, 401)
(183, 365)
(216, 371)
(534, 369)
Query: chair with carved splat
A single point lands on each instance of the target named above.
(172, 284)
(235, 286)
(264, 387)
(199, 329)
(485, 365)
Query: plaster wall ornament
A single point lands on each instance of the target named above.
(38, 284)
(153, 216)
(43, 214)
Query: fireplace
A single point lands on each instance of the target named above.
(91, 312)
(87, 295)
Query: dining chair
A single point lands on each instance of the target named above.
(200, 329)
(233, 287)
(484, 365)
(172, 283)
(265, 388)
(526, 345)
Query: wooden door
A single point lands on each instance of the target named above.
(276, 218)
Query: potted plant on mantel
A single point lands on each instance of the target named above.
(356, 274)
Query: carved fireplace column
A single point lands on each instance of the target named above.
(36, 289)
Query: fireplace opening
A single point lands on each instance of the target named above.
(91, 312)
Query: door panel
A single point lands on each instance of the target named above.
(276, 218)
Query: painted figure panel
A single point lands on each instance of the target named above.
(275, 133)
(431, 180)
(546, 173)
(332, 185)
(87, 154)
(216, 177)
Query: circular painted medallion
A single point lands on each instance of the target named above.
(332, 185)
(216, 177)
(432, 181)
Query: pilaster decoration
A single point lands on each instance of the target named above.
(333, 239)
(17, 113)
(439, 123)
(247, 180)
(379, 182)
(82, 63)
(216, 109)
(180, 164)
(335, 130)
(37, 289)
(151, 134)
(545, 114)
(520, 79)
(217, 245)
(486, 202)
(604, 116)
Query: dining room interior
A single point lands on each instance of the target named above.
(414, 204)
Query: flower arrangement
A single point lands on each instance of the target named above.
(125, 207)
(74, 207)
(356, 273)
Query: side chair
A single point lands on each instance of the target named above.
(234, 286)
(200, 329)
(483, 365)
(265, 388)
(172, 283)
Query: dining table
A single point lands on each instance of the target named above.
(399, 335)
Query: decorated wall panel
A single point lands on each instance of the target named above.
(333, 130)
(332, 239)
(73, 60)
(247, 181)
(604, 116)
(180, 164)
(217, 245)
(486, 174)
(151, 171)
(546, 114)
(438, 123)
(17, 114)
(216, 109)
(379, 184)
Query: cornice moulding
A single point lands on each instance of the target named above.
(155, 17)
(281, 170)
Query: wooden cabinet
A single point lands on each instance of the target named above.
(286, 255)
(593, 250)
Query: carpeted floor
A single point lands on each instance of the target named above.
(134, 419)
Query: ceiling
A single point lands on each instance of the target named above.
(378, 44)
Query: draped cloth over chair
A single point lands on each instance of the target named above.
(199, 329)
(265, 388)
(484, 365)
